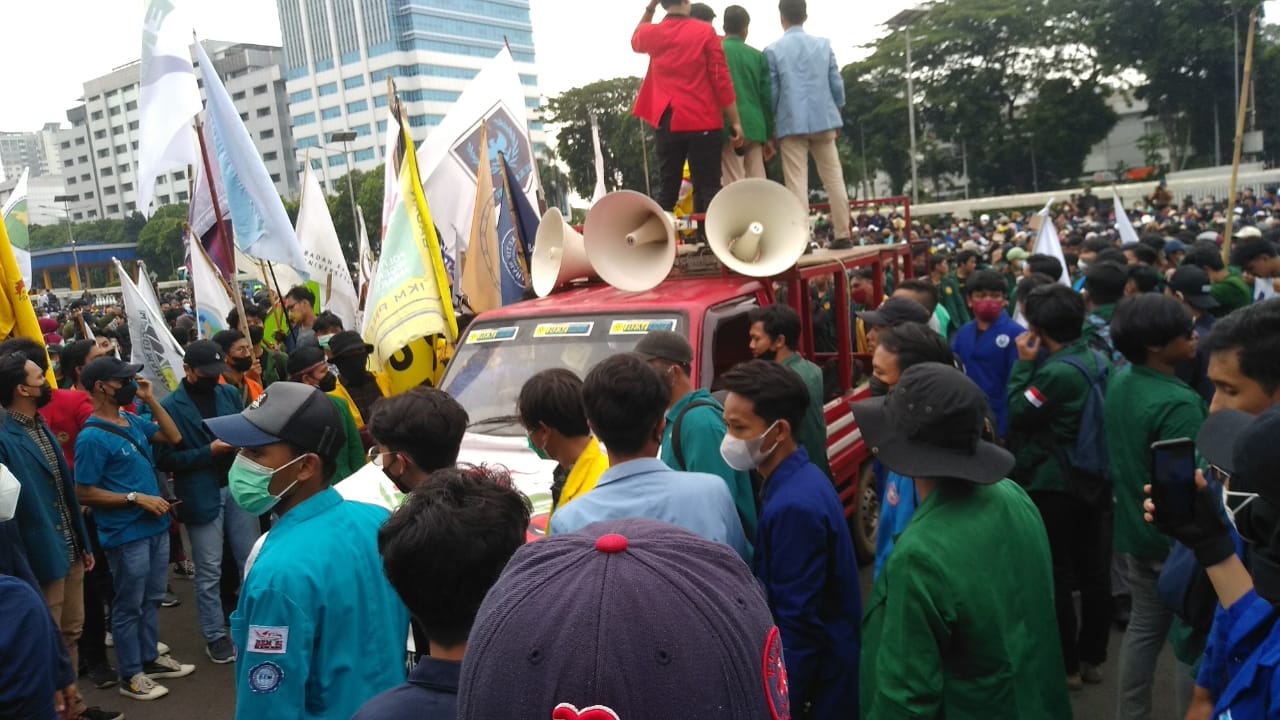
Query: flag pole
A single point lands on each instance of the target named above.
(222, 228)
(1240, 114)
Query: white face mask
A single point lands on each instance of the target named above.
(744, 455)
(10, 488)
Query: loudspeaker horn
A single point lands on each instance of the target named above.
(630, 241)
(558, 254)
(757, 227)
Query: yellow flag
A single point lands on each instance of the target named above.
(481, 265)
(17, 316)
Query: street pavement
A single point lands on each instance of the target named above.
(209, 692)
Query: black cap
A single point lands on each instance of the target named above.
(1193, 283)
(106, 368)
(894, 312)
(930, 425)
(285, 412)
(665, 345)
(1245, 447)
(346, 342)
(205, 356)
(304, 358)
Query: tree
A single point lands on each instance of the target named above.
(623, 137)
(160, 243)
(555, 182)
(368, 188)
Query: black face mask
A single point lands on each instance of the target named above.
(328, 383)
(204, 384)
(351, 368)
(46, 395)
(256, 334)
(125, 394)
(241, 364)
(878, 389)
(1259, 524)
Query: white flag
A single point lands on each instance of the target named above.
(153, 345)
(448, 158)
(325, 261)
(368, 269)
(15, 216)
(390, 180)
(213, 298)
(1048, 243)
(1123, 225)
(595, 139)
(169, 98)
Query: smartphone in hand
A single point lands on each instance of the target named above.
(1173, 479)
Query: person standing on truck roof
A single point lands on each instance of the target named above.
(774, 332)
(625, 400)
(550, 409)
(695, 422)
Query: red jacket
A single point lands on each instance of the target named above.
(66, 414)
(687, 72)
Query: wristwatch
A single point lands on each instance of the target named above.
(131, 497)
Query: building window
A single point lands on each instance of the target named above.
(113, 111)
(324, 65)
(263, 112)
(382, 126)
(78, 216)
(99, 134)
(96, 115)
(108, 171)
(330, 113)
(365, 154)
(126, 187)
(164, 199)
(358, 106)
(130, 206)
(305, 119)
(122, 169)
(299, 96)
(380, 101)
(134, 144)
(133, 125)
(85, 177)
(361, 130)
(237, 95)
(84, 158)
(79, 141)
(182, 196)
(131, 105)
(88, 195)
(109, 190)
(353, 82)
(275, 177)
(260, 90)
(328, 89)
(315, 164)
(68, 163)
(270, 156)
(117, 129)
(92, 214)
(308, 142)
(180, 175)
(267, 134)
(71, 180)
(336, 160)
(122, 149)
(113, 208)
(65, 145)
(104, 152)
(244, 117)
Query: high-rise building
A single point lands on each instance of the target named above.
(35, 150)
(99, 152)
(339, 53)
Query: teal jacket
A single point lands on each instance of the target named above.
(318, 627)
(701, 431)
(196, 480)
(813, 429)
(38, 519)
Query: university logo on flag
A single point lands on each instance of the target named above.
(506, 136)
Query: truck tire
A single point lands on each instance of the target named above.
(865, 522)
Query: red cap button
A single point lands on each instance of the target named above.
(612, 543)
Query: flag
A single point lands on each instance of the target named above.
(15, 223)
(202, 215)
(153, 344)
(168, 99)
(450, 156)
(595, 140)
(213, 298)
(391, 168)
(409, 317)
(367, 266)
(482, 272)
(1048, 243)
(524, 218)
(325, 261)
(1124, 226)
(258, 219)
(17, 315)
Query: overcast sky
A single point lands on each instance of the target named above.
(54, 46)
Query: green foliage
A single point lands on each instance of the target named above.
(620, 135)
(160, 242)
(368, 188)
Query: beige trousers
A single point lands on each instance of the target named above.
(65, 599)
(734, 167)
(796, 150)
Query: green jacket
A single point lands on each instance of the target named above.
(813, 431)
(1144, 406)
(351, 456)
(1231, 293)
(1045, 401)
(752, 86)
(960, 624)
(702, 430)
(274, 367)
(951, 297)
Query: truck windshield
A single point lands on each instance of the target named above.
(496, 358)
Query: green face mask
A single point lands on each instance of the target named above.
(250, 484)
(536, 450)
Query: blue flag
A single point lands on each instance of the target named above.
(258, 219)
(524, 217)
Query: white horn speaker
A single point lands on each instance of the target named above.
(757, 227)
(630, 241)
(558, 254)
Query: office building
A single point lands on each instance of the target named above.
(339, 53)
(35, 150)
(99, 152)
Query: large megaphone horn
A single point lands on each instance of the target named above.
(630, 241)
(757, 227)
(558, 254)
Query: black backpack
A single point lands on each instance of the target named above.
(1088, 464)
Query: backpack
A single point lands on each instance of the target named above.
(1088, 464)
(1100, 341)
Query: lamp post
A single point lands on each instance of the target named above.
(66, 201)
(903, 21)
(344, 137)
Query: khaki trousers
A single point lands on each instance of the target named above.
(796, 150)
(734, 167)
(65, 599)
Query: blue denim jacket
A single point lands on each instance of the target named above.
(808, 91)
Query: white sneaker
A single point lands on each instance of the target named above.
(141, 687)
(162, 649)
(166, 667)
(110, 641)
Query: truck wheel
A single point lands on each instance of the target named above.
(865, 522)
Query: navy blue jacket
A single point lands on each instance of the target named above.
(197, 481)
(429, 693)
(804, 558)
(38, 517)
(28, 637)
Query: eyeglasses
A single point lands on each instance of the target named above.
(374, 456)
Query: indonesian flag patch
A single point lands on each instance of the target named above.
(1034, 397)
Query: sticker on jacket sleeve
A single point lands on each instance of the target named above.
(269, 639)
(265, 677)
(1034, 396)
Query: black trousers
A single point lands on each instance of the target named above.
(1080, 545)
(98, 592)
(702, 150)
